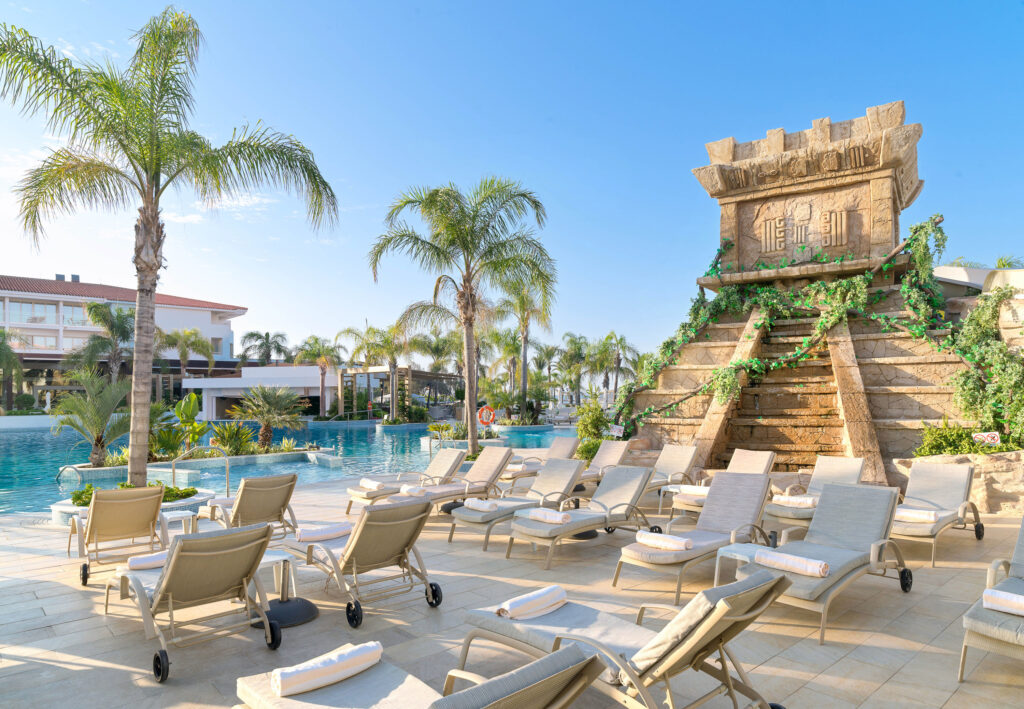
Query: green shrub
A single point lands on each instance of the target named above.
(288, 444)
(24, 401)
(235, 437)
(588, 449)
(592, 422)
(947, 439)
(83, 497)
(118, 458)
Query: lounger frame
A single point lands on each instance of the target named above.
(688, 509)
(101, 548)
(959, 523)
(987, 643)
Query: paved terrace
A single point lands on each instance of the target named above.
(884, 648)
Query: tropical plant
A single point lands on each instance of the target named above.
(24, 401)
(324, 354)
(186, 343)
(592, 422)
(497, 396)
(234, 437)
(167, 441)
(572, 363)
(505, 344)
(474, 240)
(599, 359)
(386, 345)
(187, 411)
(94, 413)
(264, 346)
(270, 407)
(544, 359)
(127, 141)
(525, 307)
(440, 347)
(622, 352)
(10, 365)
(113, 344)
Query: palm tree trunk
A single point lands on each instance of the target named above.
(323, 391)
(114, 363)
(392, 388)
(524, 372)
(618, 365)
(469, 350)
(98, 455)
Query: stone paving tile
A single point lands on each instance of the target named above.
(884, 648)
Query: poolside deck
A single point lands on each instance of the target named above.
(884, 648)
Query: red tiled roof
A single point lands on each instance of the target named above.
(101, 292)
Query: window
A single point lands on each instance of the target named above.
(35, 342)
(43, 313)
(74, 343)
(218, 344)
(75, 315)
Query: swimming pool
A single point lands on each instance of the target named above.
(534, 439)
(29, 461)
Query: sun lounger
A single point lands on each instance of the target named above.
(992, 630)
(730, 515)
(827, 469)
(613, 505)
(550, 682)
(553, 484)
(525, 466)
(200, 569)
(479, 481)
(384, 537)
(261, 499)
(671, 468)
(440, 470)
(119, 523)
(937, 499)
(850, 533)
(691, 499)
(609, 455)
(638, 658)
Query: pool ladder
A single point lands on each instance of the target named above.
(190, 451)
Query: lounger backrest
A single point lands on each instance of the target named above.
(622, 485)
(557, 475)
(733, 500)
(563, 447)
(445, 463)
(210, 566)
(1017, 560)
(938, 486)
(834, 469)
(262, 499)
(852, 516)
(385, 533)
(609, 453)
(554, 680)
(123, 513)
(489, 465)
(744, 461)
(709, 618)
(675, 459)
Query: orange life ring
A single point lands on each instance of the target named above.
(485, 415)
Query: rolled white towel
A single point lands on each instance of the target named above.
(916, 515)
(788, 562)
(369, 484)
(530, 466)
(802, 501)
(534, 604)
(481, 505)
(411, 490)
(664, 541)
(1003, 601)
(327, 669)
(318, 534)
(147, 561)
(542, 514)
(700, 490)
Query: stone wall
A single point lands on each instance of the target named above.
(998, 479)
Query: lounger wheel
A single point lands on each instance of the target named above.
(434, 595)
(83, 573)
(354, 614)
(773, 539)
(275, 635)
(773, 705)
(161, 666)
(609, 530)
(979, 531)
(655, 529)
(906, 580)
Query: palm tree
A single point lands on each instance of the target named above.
(113, 344)
(544, 357)
(10, 365)
(523, 306)
(186, 343)
(324, 354)
(264, 346)
(270, 407)
(375, 344)
(474, 240)
(94, 412)
(441, 348)
(622, 351)
(1010, 262)
(505, 344)
(128, 140)
(572, 362)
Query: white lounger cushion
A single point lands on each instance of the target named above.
(579, 519)
(367, 494)
(840, 562)
(925, 529)
(994, 624)
(773, 509)
(703, 542)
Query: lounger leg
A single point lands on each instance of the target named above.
(487, 534)
(348, 509)
(464, 654)
(618, 570)
(679, 584)
(508, 547)
(451, 532)
(821, 630)
(551, 553)
(935, 546)
(963, 661)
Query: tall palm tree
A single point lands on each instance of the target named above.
(113, 343)
(324, 354)
(572, 362)
(622, 352)
(526, 309)
(505, 344)
(441, 347)
(94, 413)
(544, 358)
(474, 240)
(599, 360)
(270, 407)
(264, 346)
(387, 345)
(128, 139)
(186, 343)
(10, 365)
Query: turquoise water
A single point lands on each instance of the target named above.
(535, 439)
(29, 461)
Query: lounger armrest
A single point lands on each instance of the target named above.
(291, 516)
(601, 505)
(754, 529)
(532, 457)
(570, 498)
(635, 684)
(449, 681)
(994, 568)
(791, 534)
(630, 508)
(432, 479)
(878, 561)
(458, 479)
(556, 496)
(679, 478)
(644, 607)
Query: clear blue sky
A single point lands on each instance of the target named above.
(601, 108)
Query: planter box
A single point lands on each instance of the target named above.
(62, 512)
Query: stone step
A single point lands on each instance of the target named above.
(778, 377)
(764, 387)
(689, 367)
(790, 339)
(796, 421)
(773, 413)
(668, 420)
(726, 326)
(919, 424)
(914, 359)
(893, 334)
(779, 448)
(935, 389)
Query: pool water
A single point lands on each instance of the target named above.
(29, 461)
(535, 439)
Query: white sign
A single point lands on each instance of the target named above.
(616, 430)
(990, 438)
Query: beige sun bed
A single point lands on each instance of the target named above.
(525, 466)
(259, 499)
(671, 468)
(201, 569)
(609, 455)
(742, 461)
(639, 659)
(440, 470)
(827, 469)
(553, 484)
(730, 515)
(479, 481)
